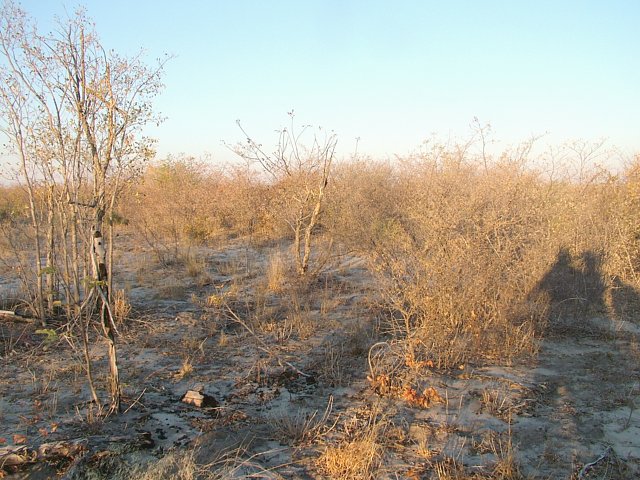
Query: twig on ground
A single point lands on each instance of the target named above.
(584, 470)
(136, 401)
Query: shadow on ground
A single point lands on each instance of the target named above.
(587, 375)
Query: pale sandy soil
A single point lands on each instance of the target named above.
(553, 415)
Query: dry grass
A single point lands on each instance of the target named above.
(277, 272)
(359, 454)
(500, 446)
(223, 340)
(184, 465)
(222, 296)
(178, 465)
(448, 469)
(497, 402)
(507, 466)
(301, 427)
(186, 369)
(195, 267)
(355, 459)
(333, 370)
(122, 306)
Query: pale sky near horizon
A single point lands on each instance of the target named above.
(389, 72)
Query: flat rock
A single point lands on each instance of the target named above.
(199, 399)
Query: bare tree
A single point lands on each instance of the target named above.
(303, 171)
(73, 113)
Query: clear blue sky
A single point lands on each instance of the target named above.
(389, 72)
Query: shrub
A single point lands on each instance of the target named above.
(461, 248)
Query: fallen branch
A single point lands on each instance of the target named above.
(14, 456)
(17, 456)
(584, 470)
(102, 446)
(16, 317)
(78, 451)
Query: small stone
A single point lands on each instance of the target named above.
(200, 400)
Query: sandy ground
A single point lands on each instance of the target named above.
(297, 385)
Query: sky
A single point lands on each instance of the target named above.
(389, 73)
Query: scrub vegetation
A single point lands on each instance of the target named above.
(449, 314)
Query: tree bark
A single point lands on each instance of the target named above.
(50, 267)
(106, 318)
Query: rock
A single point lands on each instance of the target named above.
(199, 399)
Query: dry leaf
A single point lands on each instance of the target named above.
(19, 439)
(433, 395)
(411, 362)
(381, 384)
(415, 473)
(422, 400)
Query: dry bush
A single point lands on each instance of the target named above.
(363, 193)
(15, 260)
(182, 202)
(13, 203)
(245, 205)
(299, 168)
(456, 257)
(464, 250)
(627, 225)
(169, 209)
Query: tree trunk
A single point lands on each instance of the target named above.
(36, 234)
(87, 358)
(50, 267)
(106, 318)
(308, 233)
(297, 242)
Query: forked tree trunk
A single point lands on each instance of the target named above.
(308, 232)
